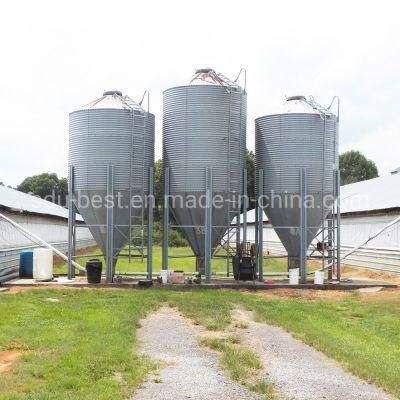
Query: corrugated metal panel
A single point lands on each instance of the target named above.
(99, 137)
(111, 130)
(24, 202)
(285, 143)
(204, 125)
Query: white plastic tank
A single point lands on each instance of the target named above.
(42, 264)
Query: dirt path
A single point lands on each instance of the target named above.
(189, 372)
(300, 372)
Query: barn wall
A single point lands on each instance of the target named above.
(51, 229)
(381, 253)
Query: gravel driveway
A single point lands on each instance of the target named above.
(300, 372)
(190, 372)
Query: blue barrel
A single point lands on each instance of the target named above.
(26, 264)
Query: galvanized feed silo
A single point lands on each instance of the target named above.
(204, 127)
(302, 135)
(112, 133)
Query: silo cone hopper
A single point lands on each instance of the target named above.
(204, 128)
(301, 136)
(111, 149)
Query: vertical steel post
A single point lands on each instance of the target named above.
(208, 225)
(150, 205)
(338, 271)
(303, 225)
(245, 205)
(110, 224)
(165, 243)
(71, 222)
(260, 227)
(256, 220)
(331, 257)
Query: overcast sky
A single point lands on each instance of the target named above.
(56, 56)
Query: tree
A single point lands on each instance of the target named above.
(158, 189)
(250, 165)
(47, 186)
(355, 167)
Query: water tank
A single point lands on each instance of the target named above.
(42, 264)
(301, 134)
(111, 130)
(204, 125)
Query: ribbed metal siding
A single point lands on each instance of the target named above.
(204, 126)
(287, 142)
(102, 136)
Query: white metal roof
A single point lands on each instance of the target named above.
(372, 195)
(21, 202)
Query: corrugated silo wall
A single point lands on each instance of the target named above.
(54, 230)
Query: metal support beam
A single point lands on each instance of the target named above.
(71, 222)
(150, 205)
(208, 225)
(338, 256)
(260, 228)
(165, 243)
(303, 225)
(110, 225)
(245, 206)
(331, 253)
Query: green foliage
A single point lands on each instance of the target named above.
(355, 167)
(175, 239)
(250, 165)
(47, 186)
(158, 190)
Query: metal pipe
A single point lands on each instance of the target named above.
(41, 241)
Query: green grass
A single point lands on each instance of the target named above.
(363, 335)
(183, 264)
(72, 349)
(242, 364)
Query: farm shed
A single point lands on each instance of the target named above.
(43, 218)
(366, 207)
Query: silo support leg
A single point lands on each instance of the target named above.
(245, 205)
(260, 228)
(150, 205)
(165, 243)
(110, 225)
(303, 225)
(208, 225)
(71, 222)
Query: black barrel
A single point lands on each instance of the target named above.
(93, 270)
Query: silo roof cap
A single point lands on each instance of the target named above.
(301, 105)
(113, 99)
(208, 76)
